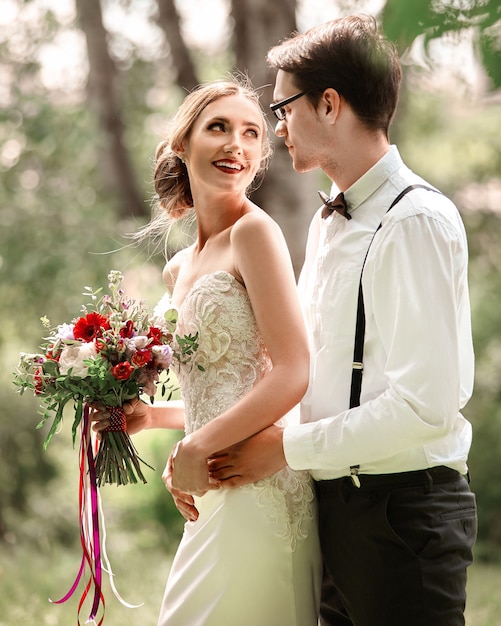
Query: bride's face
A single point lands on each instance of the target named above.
(225, 146)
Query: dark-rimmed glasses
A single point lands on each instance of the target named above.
(278, 107)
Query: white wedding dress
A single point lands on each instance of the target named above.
(252, 558)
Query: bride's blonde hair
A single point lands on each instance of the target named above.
(171, 182)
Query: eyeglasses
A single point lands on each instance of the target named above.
(278, 108)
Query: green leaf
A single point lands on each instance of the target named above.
(50, 368)
(41, 423)
(490, 49)
(403, 21)
(76, 420)
(170, 317)
(57, 419)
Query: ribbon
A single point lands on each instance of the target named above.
(89, 528)
(118, 420)
(108, 569)
(91, 520)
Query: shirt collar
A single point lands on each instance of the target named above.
(367, 184)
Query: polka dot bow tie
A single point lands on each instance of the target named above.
(334, 204)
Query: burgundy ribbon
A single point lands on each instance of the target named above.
(118, 420)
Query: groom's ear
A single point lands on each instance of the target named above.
(330, 105)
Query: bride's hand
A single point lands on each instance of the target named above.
(136, 411)
(184, 502)
(188, 472)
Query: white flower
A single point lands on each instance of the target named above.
(73, 357)
(138, 342)
(65, 331)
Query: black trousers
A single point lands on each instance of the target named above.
(396, 549)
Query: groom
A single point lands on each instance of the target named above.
(397, 519)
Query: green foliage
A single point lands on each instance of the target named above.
(450, 140)
(57, 227)
(28, 578)
(490, 51)
(54, 215)
(188, 345)
(404, 21)
(23, 464)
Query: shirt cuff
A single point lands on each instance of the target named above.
(298, 446)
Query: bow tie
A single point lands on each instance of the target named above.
(334, 204)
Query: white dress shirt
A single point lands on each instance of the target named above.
(418, 354)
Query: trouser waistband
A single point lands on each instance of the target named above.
(433, 475)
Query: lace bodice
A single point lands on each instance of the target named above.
(231, 358)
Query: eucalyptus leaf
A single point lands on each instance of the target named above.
(171, 317)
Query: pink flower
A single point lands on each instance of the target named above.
(163, 355)
(138, 342)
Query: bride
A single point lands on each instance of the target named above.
(248, 555)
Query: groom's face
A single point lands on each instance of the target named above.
(301, 127)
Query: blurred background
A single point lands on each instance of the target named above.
(86, 90)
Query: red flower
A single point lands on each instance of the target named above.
(155, 334)
(122, 371)
(142, 357)
(38, 379)
(128, 330)
(91, 326)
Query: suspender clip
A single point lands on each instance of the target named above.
(354, 475)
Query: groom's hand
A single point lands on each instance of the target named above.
(258, 457)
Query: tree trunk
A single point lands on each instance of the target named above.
(289, 197)
(104, 99)
(169, 21)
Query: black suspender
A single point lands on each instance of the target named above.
(358, 350)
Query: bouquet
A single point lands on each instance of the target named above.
(111, 354)
(114, 352)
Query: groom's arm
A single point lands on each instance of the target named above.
(250, 460)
